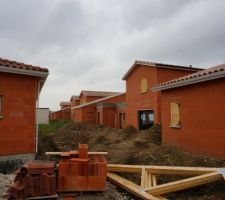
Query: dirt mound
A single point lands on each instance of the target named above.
(129, 146)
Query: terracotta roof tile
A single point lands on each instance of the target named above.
(190, 77)
(19, 65)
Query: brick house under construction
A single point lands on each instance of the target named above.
(74, 101)
(144, 106)
(108, 111)
(193, 111)
(63, 113)
(20, 85)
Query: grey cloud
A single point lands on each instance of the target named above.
(90, 44)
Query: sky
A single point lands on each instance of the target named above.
(90, 44)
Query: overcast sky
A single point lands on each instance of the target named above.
(90, 44)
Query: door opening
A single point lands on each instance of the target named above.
(145, 119)
(98, 118)
(121, 120)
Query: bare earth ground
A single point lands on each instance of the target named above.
(129, 146)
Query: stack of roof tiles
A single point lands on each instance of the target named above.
(34, 179)
(79, 171)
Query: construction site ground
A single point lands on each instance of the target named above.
(129, 146)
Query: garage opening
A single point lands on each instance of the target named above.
(146, 119)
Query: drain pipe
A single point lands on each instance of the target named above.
(37, 110)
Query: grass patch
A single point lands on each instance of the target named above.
(52, 127)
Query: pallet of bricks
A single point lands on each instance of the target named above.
(79, 171)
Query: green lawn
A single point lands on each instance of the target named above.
(52, 127)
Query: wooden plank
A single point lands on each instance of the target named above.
(222, 172)
(125, 168)
(161, 169)
(89, 153)
(154, 182)
(43, 197)
(185, 183)
(131, 187)
(149, 180)
(143, 178)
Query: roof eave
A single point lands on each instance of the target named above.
(42, 75)
(208, 77)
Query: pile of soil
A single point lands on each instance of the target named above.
(129, 146)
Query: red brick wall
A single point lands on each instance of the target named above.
(83, 99)
(100, 116)
(136, 100)
(78, 115)
(147, 101)
(117, 122)
(62, 114)
(17, 128)
(73, 104)
(86, 99)
(57, 115)
(109, 117)
(89, 99)
(202, 114)
(163, 75)
(88, 114)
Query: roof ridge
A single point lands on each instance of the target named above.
(159, 65)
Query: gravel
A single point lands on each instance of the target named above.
(5, 180)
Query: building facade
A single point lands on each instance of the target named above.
(193, 112)
(20, 85)
(143, 107)
(105, 111)
(74, 101)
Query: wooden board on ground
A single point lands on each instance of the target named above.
(149, 189)
(89, 153)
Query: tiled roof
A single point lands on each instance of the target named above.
(98, 93)
(158, 65)
(98, 100)
(63, 103)
(75, 97)
(204, 75)
(19, 65)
